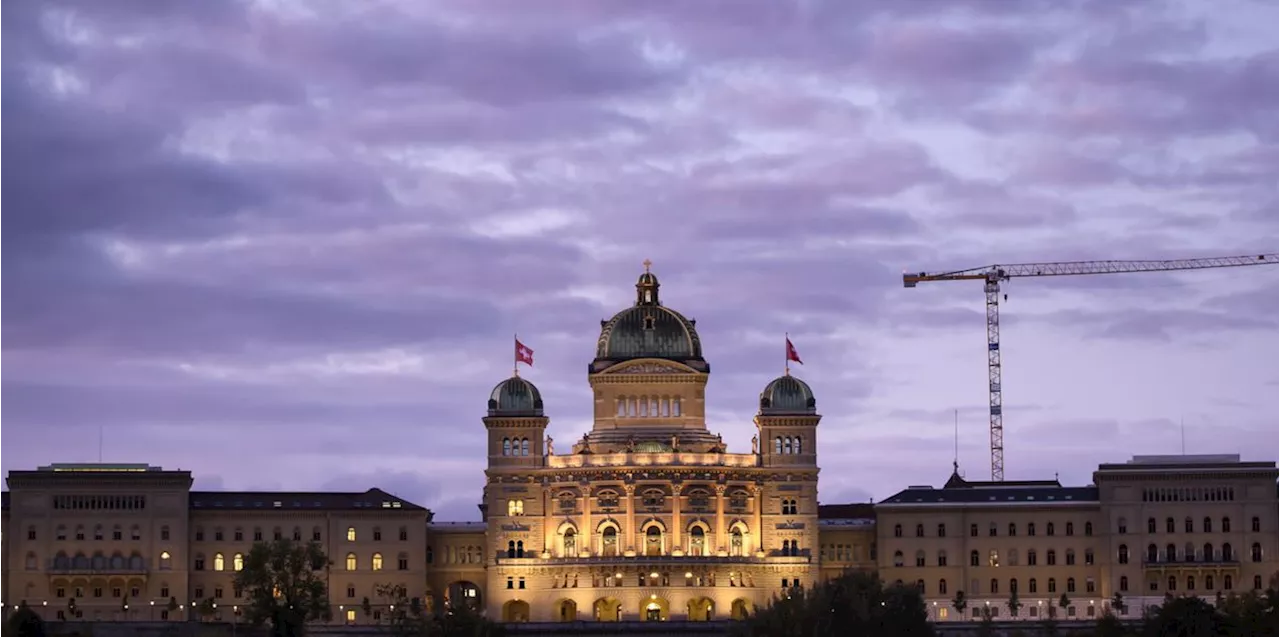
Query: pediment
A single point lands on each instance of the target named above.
(650, 366)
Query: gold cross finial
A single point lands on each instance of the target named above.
(647, 263)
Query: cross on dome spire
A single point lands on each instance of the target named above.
(647, 286)
(647, 264)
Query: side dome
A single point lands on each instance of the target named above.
(787, 395)
(515, 396)
(649, 330)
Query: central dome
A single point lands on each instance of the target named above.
(649, 330)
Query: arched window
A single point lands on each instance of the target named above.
(237, 562)
(942, 557)
(1071, 584)
(219, 562)
(1088, 528)
(799, 446)
(135, 562)
(351, 562)
(1031, 557)
(569, 543)
(1169, 526)
(524, 446)
(1172, 583)
(609, 542)
(1122, 526)
(698, 540)
(135, 533)
(1188, 525)
(377, 562)
(1170, 553)
(920, 586)
(1051, 557)
(786, 445)
(351, 533)
(975, 559)
(1226, 552)
(898, 559)
(506, 446)
(1124, 583)
(519, 548)
(1013, 585)
(1207, 524)
(1152, 553)
(1189, 552)
(1226, 525)
(1255, 552)
(777, 445)
(897, 530)
(1227, 583)
(995, 586)
(920, 557)
(1256, 524)
(1208, 582)
(1151, 525)
(735, 543)
(653, 541)
(1032, 585)
(1123, 554)
(942, 587)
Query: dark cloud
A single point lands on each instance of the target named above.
(238, 232)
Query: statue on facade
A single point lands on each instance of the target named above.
(755, 444)
(551, 450)
(675, 442)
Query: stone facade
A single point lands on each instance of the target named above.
(647, 517)
(1156, 525)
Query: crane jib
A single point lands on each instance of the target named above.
(992, 275)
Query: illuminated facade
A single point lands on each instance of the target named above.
(1156, 525)
(647, 517)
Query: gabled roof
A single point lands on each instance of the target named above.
(957, 490)
(371, 500)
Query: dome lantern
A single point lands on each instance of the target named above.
(647, 287)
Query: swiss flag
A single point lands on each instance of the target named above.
(523, 353)
(791, 352)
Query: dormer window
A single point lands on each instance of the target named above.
(648, 321)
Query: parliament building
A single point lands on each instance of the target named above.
(648, 517)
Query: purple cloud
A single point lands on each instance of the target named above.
(256, 241)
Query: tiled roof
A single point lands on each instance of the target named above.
(960, 491)
(859, 511)
(373, 499)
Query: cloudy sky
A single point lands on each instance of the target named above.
(285, 244)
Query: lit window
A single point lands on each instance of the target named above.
(237, 562)
(351, 534)
(351, 561)
(166, 560)
(351, 616)
(219, 562)
(377, 561)
(515, 507)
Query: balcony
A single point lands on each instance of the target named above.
(690, 560)
(1217, 562)
(136, 566)
(653, 459)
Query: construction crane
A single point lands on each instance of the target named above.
(992, 275)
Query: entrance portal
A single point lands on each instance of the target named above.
(653, 612)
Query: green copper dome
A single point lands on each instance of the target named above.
(787, 395)
(515, 396)
(649, 330)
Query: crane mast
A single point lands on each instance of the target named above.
(993, 275)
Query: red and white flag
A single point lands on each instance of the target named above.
(792, 355)
(523, 354)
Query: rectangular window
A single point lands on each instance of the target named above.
(511, 583)
(217, 535)
(521, 583)
(164, 591)
(199, 593)
(377, 535)
(239, 535)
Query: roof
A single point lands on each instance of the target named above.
(4, 500)
(515, 396)
(649, 330)
(787, 395)
(957, 490)
(373, 499)
(858, 511)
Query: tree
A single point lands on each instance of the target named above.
(1064, 602)
(1186, 617)
(1118, 603)
(1252, 613)
(960, 603)
(283, 584)
(1014, 603)
(853, 604)
(1110, 626)
(24, 623)
(463, 620)
(206, 608)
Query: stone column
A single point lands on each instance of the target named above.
(675, 518)
(721, 544)
(586, 535)
(757, 521)
(630, 532)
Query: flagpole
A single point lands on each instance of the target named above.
(786, 355)
(515, 354)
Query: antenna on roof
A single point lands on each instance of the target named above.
(1183, 425)
(955, 457)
